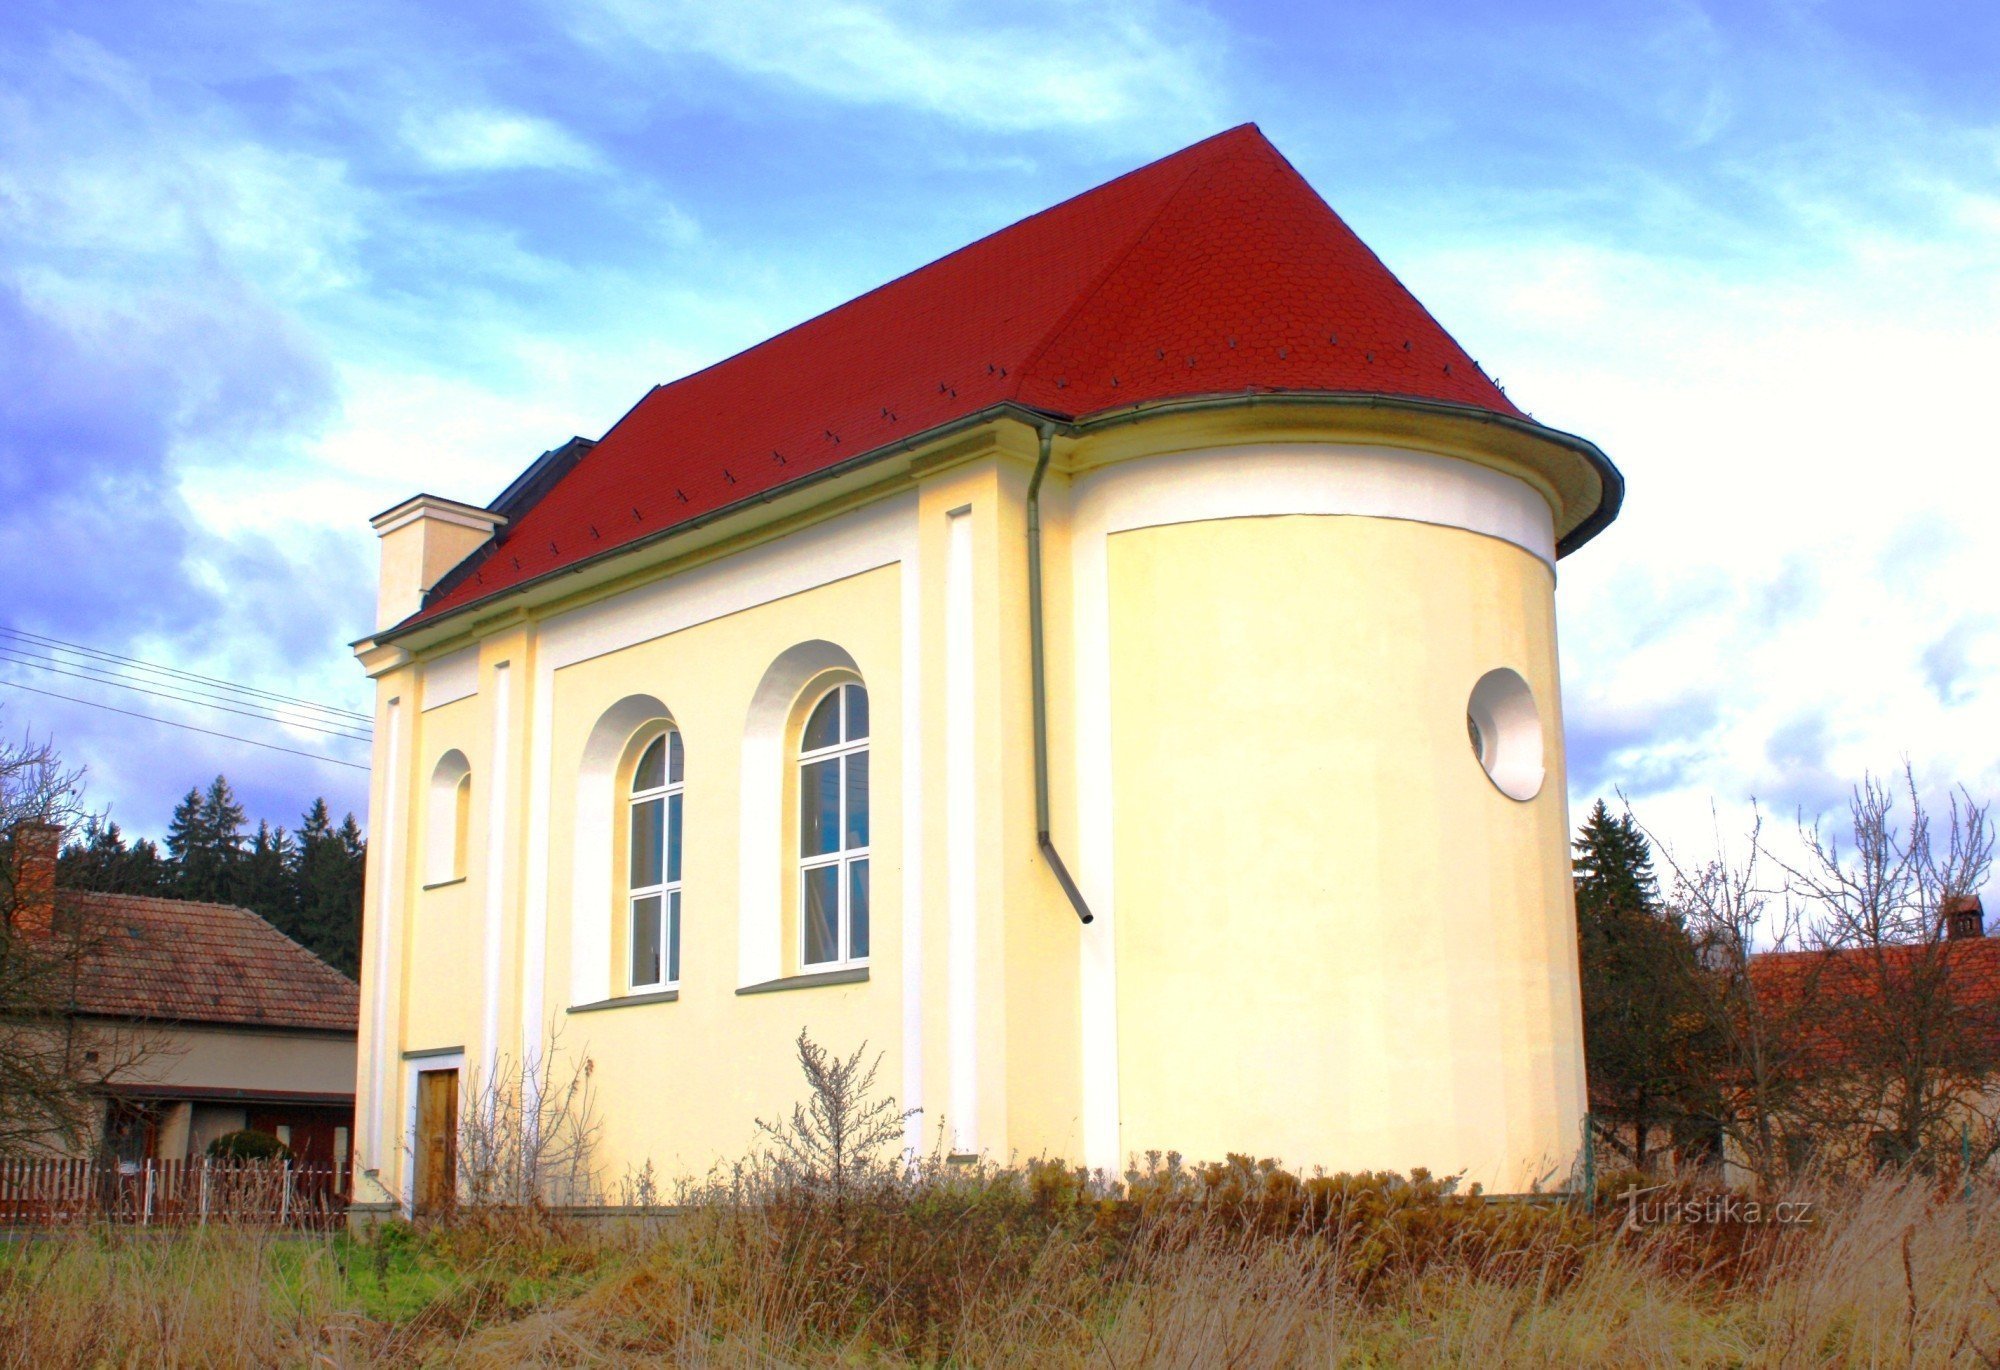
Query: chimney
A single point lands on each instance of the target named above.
(422, 538)
(1964, 917)
(36, 845)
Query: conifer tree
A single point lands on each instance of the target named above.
(102, 861)
(265, 879)
(222, 816)
(207, 844)
(1646, 1043)
(327, 875)
(184, 831)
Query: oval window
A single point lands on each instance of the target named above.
(1505, 729)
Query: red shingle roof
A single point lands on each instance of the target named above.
(1824, 998)
(181, 961)
(1216, 270)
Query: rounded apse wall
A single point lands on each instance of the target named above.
(1335, 941)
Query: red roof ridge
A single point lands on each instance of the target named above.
(1192, 154)
(211, 904)
(1214, 271)
(177, 901)
(1084, 299)
(1188, 152)
(1952, 945)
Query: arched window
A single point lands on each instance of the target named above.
(655, 863)
(833, 830)
(461, 821)
(450, 820)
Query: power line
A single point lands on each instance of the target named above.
(150, 718)
(184, 699)
(120, 658)
(176, 676)
(57, 666)
(134, 662)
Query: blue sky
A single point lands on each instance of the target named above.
(267, 269)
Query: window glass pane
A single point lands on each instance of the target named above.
(673, 839)
(823, 728)
(857, 800)
(819, 895)
(819, 807)
(651, 772)
(646, 940)
(675, 757)
(857, 908)
(857, 712)
(646, 843)
(674, 937)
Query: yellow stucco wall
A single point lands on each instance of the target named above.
(1338, 943)
(683, 1082)
(1335, 942)
(443, 929)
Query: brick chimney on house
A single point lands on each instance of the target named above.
(1964, 917)
(36, 846)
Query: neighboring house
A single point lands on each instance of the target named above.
(1855, 1026)
(1110, 670)
(229, 1024)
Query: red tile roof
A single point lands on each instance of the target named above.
(1216, 270)
(1822, 999)
(180, 961)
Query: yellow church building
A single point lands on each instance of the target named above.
(1110, 670)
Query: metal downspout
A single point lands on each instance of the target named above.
(1037, 671)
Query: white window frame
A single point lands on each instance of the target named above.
(842, 856)
(668, 891)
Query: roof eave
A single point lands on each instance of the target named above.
(1611, 481)
(418, 622)
(1611, 497)
(213, 1024)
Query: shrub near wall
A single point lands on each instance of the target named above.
(935, 1260)
(1381, 1227)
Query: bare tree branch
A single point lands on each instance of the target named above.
(527, 1136)
(837, 1140)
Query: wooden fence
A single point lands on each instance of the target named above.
(43, 1193)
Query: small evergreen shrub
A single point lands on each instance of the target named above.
(247, 1144)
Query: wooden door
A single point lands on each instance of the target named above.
(437, 1140)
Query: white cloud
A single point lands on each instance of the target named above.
(102, 183)
(494, 140)
(1780, 327)
(1088, 65)
(1685, 50)
(1798, 589)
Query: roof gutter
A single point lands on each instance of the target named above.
(1594, 523)
(1037, 671)
(977, 419)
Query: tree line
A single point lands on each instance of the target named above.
(305, 882)
(1795, 1003)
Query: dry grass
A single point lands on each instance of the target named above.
(1233, 1265)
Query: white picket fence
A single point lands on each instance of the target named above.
(41, 1193)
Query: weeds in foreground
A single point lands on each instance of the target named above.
(1232, 1264)
(831, 1250)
